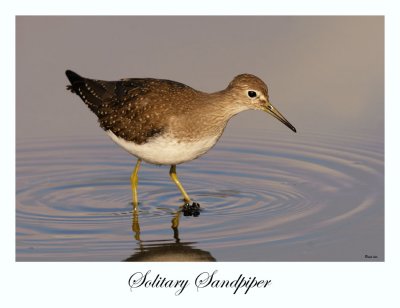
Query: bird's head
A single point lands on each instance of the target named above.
(251, 92)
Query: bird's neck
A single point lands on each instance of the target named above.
(225, 104)
(217, 110)
(209, 116)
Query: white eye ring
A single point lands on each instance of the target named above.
(252, 94)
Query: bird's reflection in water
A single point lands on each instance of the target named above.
(170, 250)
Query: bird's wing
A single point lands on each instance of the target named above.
(127, 107)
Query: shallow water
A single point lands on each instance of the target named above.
(267, 198)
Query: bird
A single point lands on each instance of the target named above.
(165, 122)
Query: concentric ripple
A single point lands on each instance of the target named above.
(313, 197)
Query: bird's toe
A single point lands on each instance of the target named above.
(191, 209)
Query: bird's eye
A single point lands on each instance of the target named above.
(252, 94)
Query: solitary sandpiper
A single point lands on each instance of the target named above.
(165, 122)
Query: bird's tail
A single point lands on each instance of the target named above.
(74, 79)
(91, 91)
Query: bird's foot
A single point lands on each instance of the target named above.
(191, 209)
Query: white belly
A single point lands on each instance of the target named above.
(164, 150)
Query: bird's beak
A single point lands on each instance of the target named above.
(276, 114)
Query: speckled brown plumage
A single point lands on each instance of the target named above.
(133, 109)
(138, 109)
(166, 122)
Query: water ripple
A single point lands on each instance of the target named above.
(73, 198)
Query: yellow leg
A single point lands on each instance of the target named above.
(135, 223)
(175, 220)
(175, 225)
(134, 183)
(174, 177)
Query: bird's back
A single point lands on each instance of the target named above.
(134, 109)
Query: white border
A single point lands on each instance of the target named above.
(105, 284)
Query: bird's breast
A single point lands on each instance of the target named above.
(165, 149)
